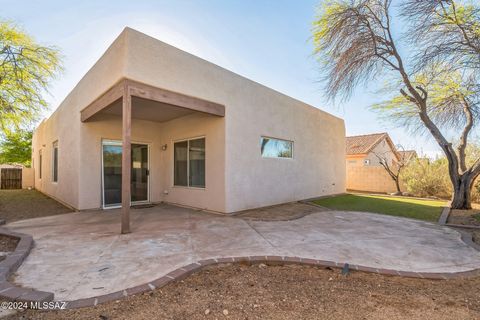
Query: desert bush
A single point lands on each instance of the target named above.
(476, 192)
(423, 178)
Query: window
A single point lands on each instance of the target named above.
(55, 162)
(189, 163)
(40, 164)
(276, 148)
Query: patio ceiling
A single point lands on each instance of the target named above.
(148, 103)
(144, 109)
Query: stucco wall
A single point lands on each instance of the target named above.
(237, 177)
(27, 178)
(383, 150)
(252, 110)
(156, 135)
(65, 127)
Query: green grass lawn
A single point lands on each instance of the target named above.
(428, 210)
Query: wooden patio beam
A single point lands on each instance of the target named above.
(109, 97)
(126, 157)
(146, 91)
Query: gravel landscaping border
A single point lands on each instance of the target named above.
(15, 293)
(183, 272)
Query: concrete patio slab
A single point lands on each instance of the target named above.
(81, 255)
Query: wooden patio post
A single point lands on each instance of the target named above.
(126, 157)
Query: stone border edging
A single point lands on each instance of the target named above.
(11, 263)
(444, 216)
(183, 272)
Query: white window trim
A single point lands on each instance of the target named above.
(282, 158)
(188, 163)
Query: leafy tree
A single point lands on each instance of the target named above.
(16, 147)
(26, 69)
(437, 80)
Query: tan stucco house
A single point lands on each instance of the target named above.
(363, 156)
(198, 135)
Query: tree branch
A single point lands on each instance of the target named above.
(463, 138)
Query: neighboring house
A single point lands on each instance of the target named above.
(407, 155)
(364, 169)
(198, 135)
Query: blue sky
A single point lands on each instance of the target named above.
(267, 41)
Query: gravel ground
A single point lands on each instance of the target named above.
(7, 244)
(289, 292)
(25, 204)
(467, 217)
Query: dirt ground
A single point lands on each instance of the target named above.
(289, 292)
(287, 211)
(25, 204)
(465, 217)
(7, 245)
(469, 218)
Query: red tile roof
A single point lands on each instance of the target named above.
(364, 143)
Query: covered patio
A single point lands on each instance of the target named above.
(134, 100)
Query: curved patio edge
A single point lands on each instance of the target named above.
(11, 263)
(183, 272)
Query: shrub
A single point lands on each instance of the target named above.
(476, 192)
(423, 177)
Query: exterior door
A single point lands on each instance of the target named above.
(112, 173)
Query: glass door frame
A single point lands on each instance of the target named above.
(119, 143)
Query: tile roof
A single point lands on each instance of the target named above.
(407, 155)
(364, 143)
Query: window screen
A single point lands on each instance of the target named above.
(189, 163)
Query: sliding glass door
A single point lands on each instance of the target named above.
(112, 173)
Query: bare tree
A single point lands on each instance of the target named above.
(355, 43)
(393, 167)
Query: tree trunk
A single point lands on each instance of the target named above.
(397, 184)
(462, 189)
